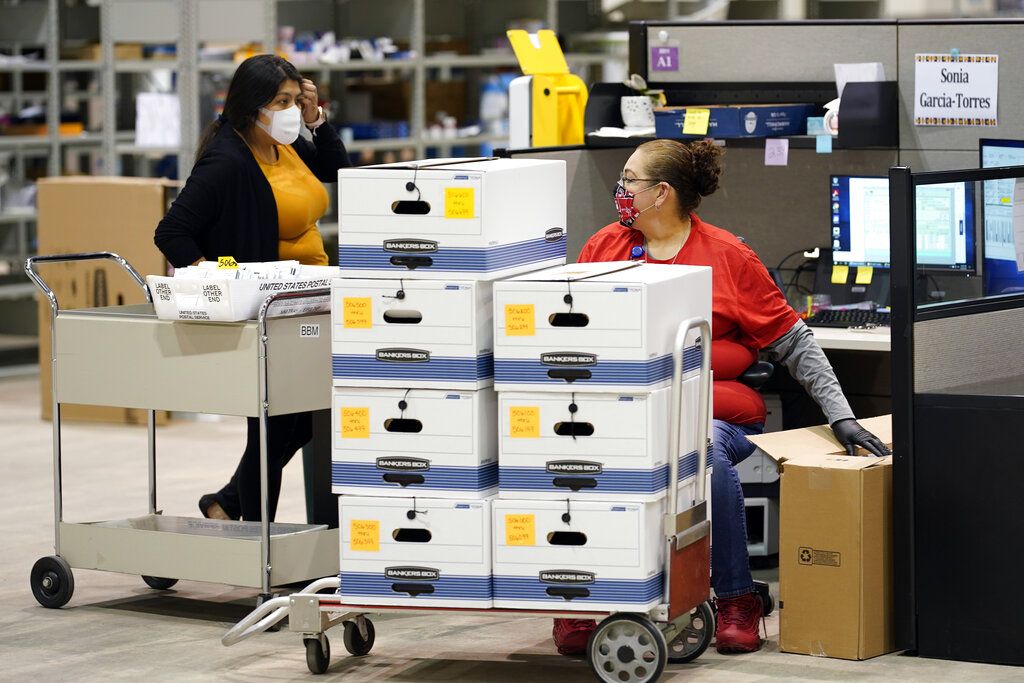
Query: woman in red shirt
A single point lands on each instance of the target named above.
(661, 186)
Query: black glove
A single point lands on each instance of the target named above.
(851, 434)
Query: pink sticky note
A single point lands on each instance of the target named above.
(776, 151)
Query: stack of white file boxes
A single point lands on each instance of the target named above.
(583, 369)
(414, 410)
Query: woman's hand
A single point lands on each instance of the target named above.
(309, 102)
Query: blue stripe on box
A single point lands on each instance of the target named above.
(618, 480)
(639, 373)
(461, 369)
(442, 478)
(447, 587)
(623, 591)
(463, 259)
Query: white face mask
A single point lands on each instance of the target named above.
(284, 124)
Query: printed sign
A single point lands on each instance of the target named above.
(955, 90)
(664, 59)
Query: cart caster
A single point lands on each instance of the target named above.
(354, 641)
(158, 583)
(694, 636)
(627, 648)
(767, 601)
(52, 581)
(318, 654)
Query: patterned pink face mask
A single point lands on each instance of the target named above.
(624, 204)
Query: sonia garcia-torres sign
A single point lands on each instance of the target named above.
(955, 90)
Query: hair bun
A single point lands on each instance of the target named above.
(706, 166)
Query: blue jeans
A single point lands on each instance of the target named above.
(730, 566)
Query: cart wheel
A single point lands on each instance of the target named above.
(694, 637)
(318, 654)
(52, 581)
(158, 583)
(354, 642)
(627, 648)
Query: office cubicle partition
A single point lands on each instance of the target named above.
(958, 408)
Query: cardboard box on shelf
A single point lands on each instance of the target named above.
(737, 121)
(414, 552)
(596, 327)
(588, 446)
(835, 544)
(86, 214)
(441, 444)
(477, 219)
(94, 52)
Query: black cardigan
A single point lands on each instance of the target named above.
(227, 207)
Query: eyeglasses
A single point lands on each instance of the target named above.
(624, 180)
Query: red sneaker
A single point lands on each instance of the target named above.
(571, 635)
(738, 624)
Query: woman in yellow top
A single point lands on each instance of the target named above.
(255, 193)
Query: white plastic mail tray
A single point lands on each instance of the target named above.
(223, 299)
(592, 446)
(478, 218)
(407, 332)
(416, 442)
(415, 552)
(602, 327)
(577, 555)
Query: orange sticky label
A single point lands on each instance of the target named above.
(364, 535)
(358, 313)
(524, 422)
(458, 202)
(355, 423)
(519, 530)
(519, 320)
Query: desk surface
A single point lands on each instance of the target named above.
(876, 339)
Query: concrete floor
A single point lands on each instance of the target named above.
(116, 627)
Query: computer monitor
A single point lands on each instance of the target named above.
(1001, 268)
(859, 230)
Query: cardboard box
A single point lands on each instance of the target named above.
(86, 214)
(221, 299)
(607, 556)
(620, 448)
(835, 545)
(415, 552)
(596, 327)
(442, 444)
(737, 121)
(412, 333)
(94, 52)
(441, 218)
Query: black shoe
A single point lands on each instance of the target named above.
(212, 509)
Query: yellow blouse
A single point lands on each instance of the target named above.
(301, 201)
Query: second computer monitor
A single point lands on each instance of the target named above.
(859, 233)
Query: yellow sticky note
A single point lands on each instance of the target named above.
(355, 423)
(519, 320)
(524, 422)
(519, 530)
(458, 202)
(696, 121)
(864, 275)
(358, 313)
(227, 262)
(839, 274)
(364, 535)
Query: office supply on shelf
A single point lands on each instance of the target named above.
(849, 317)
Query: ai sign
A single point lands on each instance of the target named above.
(955, 90)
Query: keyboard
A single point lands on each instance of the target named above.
(851, 317)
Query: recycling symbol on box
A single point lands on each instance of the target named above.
(805, 556)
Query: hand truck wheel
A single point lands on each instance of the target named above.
(693, 637)
(52, 581)
(158, 583)
(627, 648)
